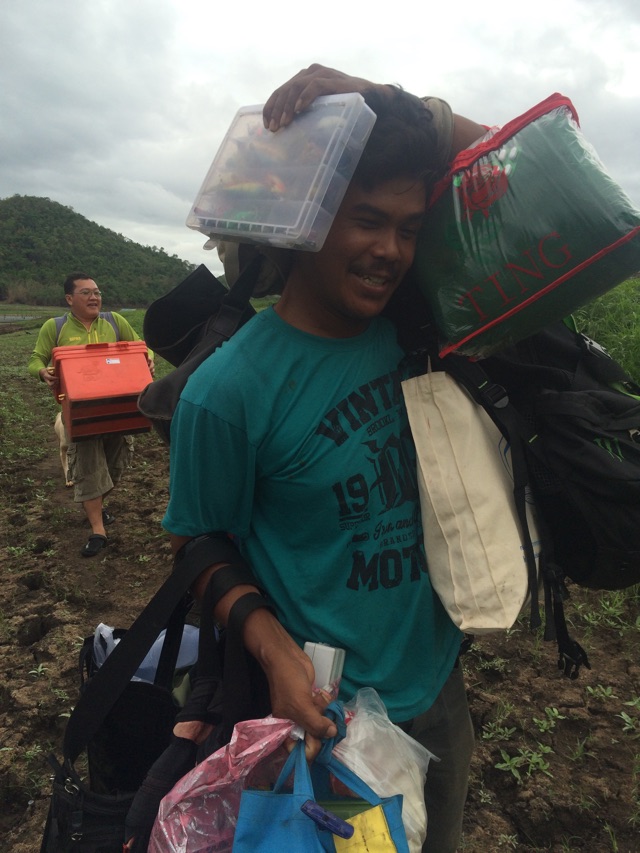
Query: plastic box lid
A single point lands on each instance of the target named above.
(102, 370)
(284, 188)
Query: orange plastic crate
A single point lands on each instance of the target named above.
(99, 385)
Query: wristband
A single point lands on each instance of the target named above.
(245, 605)
(207, 550)
(225, 578)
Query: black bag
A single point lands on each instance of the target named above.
(185, 326)
(90, 816)
(570, 415)
(126, 727)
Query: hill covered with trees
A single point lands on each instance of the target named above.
(42, 241)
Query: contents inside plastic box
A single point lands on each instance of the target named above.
(283, 188)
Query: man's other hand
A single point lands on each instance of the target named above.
(47, 375)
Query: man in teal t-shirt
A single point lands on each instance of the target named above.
(293, 436)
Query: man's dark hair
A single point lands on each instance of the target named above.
(402, 142)
(70, 280)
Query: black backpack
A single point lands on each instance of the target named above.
(571, 415)
(185, 326)
(125, 727)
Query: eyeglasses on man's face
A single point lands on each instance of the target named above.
(85, 292)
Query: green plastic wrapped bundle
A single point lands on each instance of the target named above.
(524, 229)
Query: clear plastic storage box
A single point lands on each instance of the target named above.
(284, 188)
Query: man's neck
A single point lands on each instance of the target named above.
(296, 308)
(86, 323)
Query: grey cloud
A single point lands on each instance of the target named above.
(103, 108)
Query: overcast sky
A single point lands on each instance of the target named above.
(116, 107)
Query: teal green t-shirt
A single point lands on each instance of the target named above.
(300, 446)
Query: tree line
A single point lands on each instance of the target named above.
(42, 241)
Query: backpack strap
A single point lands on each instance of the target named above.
(108, 316)
(222, 704)
(59, 321)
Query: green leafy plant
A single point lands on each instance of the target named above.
(492, 664)
(60, 694)
(528, 761)
(39, 671)
(494, 731)
(548, 724)
(508, 841)
(17, 550)
(631, 726)
(600, 692)
(580, 751)
(33, 752)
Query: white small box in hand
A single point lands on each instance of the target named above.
(327, 663)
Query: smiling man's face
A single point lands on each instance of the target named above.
(86, 300)
(337, 291)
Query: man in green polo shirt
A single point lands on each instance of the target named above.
(94, 465)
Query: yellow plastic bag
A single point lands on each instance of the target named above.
(371, 834)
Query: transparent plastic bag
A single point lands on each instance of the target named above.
(199, 814)
(387, 759)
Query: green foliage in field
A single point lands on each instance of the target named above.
(614, 321)
(43, 241)
(27, 408)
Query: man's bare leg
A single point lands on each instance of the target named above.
(93, 509)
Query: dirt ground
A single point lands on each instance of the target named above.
(557, 764)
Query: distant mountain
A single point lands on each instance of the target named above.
(41, 242)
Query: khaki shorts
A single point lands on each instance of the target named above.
(96, 464)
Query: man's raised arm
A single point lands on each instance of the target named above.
(303, 88)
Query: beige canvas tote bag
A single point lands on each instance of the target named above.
(472, 537)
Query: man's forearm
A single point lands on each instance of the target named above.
(465, 133)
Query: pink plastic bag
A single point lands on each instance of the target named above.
(199, 814)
